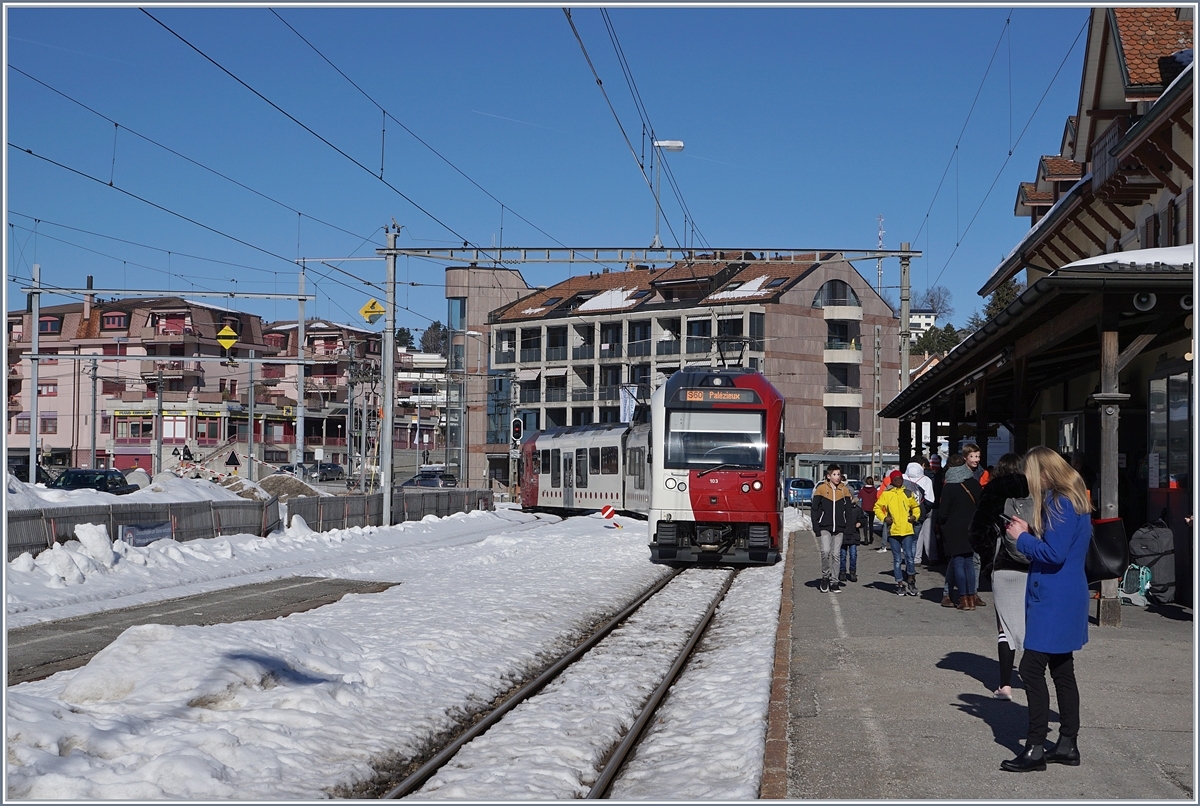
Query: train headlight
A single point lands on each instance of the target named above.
(757, 484)
(670, 483)
(682, 486)
(745, 488)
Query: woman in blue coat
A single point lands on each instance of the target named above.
(1056, 604)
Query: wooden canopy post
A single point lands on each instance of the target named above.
(1109, 398)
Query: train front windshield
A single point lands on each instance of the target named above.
(699, 440)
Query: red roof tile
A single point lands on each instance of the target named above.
(1060, 169)
(1146, 34)
(1031, 196)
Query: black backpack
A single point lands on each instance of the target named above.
(1153, 547)
(914, 491)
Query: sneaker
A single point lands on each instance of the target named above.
(882, 549)
(824, 585)
(841, 576)
(1003, 693)
(901, 587)
(912, 590)
(853, 576)
(835, 586)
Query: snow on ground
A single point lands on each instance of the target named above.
(301, 707)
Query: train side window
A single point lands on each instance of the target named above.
(637, 468)
(581, 469)
(555, 468)
(594, 461)
(608, 461)
(545, 461)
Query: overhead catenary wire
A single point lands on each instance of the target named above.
(1008, 158)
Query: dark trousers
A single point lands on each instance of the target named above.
(1033, 675)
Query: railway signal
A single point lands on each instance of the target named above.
(517, 427)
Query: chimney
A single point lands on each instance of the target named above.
(88, 300)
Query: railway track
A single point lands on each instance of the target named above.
(569, 735)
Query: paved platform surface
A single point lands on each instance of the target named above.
(890, 697)
(41, 650)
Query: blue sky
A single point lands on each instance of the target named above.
(801, 125)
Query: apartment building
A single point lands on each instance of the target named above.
(588, 349)
(148, 359)
(920, 320)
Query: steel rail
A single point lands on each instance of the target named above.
(617, 759)
(427, 770)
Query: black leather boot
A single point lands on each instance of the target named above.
(1065, 752)
(1033, 759)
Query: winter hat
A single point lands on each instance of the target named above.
(914, 472)
(897, 477)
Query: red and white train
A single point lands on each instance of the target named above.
(706, 471)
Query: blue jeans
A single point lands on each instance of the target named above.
(975, 564)
(853, 552)
(962, 574)
(906, 545)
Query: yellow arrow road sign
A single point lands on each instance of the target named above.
(226, 337)
(371, 311)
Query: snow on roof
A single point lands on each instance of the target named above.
(164, 488)
(609, 299)
(751, 288)
(1166, 255)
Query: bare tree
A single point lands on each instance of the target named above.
(937, 299)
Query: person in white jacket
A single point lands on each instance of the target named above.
(915, 474)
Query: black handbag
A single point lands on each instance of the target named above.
(1108, 552)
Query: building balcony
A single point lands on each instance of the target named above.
(531, 355)
(170, 334)
(584, 352)
(698, 346)
(610, 393)
(581, 395)
(556, 353)
(531, 395)
(14, 404)
(842, 352)
(506, 357)
(842, 397)
(612, 350)
(843, 313)
(670, 347)
(174, 368)
(841, 441)
(323, 383)
(639, 348)
(556, 394)
(273, 373)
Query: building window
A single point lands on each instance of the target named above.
(48, 424)
(115, 349)
(49, 324)
(275, 340)
(105, 423)
(48, 389)
(115, 321)
(456, 316)
(22, 425)
(757, 331)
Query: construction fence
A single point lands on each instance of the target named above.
(35, 530)
(408, 504)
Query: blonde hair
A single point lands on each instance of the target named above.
(1046, 471)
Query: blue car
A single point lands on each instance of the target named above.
(799, 492)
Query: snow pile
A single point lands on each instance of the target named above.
(164, 488)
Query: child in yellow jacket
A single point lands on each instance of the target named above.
(899, 511)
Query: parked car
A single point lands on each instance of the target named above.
(854, 484)
(21, 471)
(328, 471)
(431, 480)
(799, 492)
(106, 481)
(299, 471)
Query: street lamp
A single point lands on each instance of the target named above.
(661, 145)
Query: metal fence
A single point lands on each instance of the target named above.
(36, 530)
(323, 512)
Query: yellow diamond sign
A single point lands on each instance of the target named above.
(371, 311)
(226, 337)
